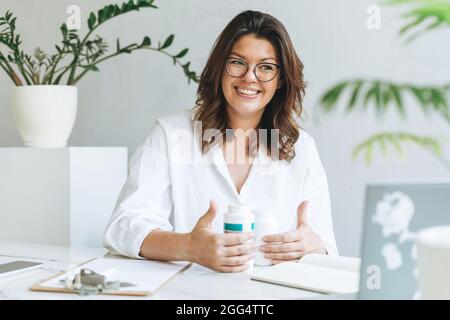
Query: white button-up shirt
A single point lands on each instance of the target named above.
(171, 183)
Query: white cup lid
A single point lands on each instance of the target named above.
(438, 236)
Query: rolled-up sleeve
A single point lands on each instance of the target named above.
(317, 193)
(145, 201)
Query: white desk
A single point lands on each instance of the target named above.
(195, 283)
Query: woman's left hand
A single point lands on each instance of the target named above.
(295, 244)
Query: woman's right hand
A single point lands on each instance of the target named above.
(227, 252)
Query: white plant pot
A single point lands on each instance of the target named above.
(45, 115)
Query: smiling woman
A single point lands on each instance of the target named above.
(270, 95)
(248, 93)
(252, 82)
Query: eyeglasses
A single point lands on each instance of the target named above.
(263, 71)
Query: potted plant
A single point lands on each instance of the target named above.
(425, 16)
(45, 96)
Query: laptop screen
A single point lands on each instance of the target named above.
(394, 214)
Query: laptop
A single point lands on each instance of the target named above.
(393, 215)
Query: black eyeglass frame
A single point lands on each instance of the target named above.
(254, 69)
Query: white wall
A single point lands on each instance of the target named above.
(118, 106)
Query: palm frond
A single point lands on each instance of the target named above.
(382, 95)
(425, 15)
(396, 141)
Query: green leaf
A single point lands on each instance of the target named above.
(186, 66)
(378, 97)
(168, 42)
(383, 147)
(145, 3)
(117, 10)
(419, 94)
(423, 96)
(101, 16)
(146, 42)
(369, 152)
(394, 140)
(397, 98)
(124, 8)
(436, 99)
(357, 150)
(91, 21)
(331, 96)
(354, 97)
(109, 11)
(386, 96)
(90, 67)
(131, 5)
(372, 93)
(181, 54)
(12, 23)
(411, 25)
(440, 103)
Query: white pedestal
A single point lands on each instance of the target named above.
(59, 196)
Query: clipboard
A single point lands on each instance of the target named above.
(154, 275)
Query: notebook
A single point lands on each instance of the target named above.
(315, 272)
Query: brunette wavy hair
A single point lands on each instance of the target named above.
(287, 101)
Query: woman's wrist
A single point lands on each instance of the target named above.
(187, 246)
(167, 246)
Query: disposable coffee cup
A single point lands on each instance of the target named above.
(433, 257)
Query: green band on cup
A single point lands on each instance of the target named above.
(233, 227)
